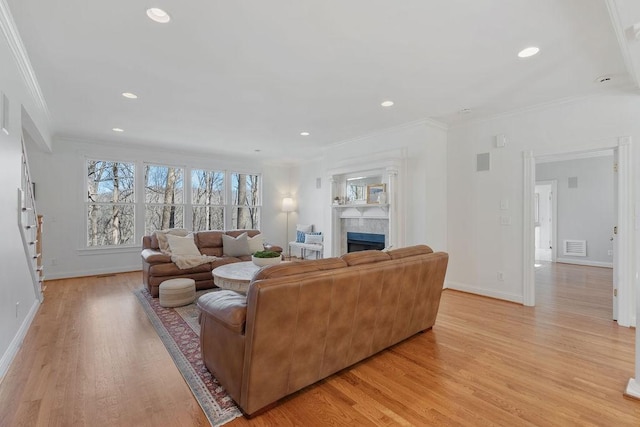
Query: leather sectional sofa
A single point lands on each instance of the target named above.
(158, 267)
(301, 322)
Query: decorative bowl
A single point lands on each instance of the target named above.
(261, 262)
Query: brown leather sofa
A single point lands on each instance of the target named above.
(301, 322)
(158, 267)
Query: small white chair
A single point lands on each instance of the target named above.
(314, 247)
(312, 242)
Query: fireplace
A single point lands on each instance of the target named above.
(364, 241)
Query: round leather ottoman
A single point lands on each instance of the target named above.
(177, 292)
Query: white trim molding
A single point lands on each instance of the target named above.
(585, 262)
(625, 222)
(16, 343)
(618, 28)
(528, 232)
(10, 30)
(491, 293)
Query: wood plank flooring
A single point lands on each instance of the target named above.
(92, 358)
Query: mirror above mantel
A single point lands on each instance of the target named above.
(356, 188)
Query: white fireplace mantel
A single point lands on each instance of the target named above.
(391, 171)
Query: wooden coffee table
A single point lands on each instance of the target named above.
(235, 276)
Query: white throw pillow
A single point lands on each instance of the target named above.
(255, 243)
(184, 246)
(161, 235)
(235, 246)
(304, 228)
(301, 230)
(313, 238)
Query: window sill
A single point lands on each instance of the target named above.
(108, 250)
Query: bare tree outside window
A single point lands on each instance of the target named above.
(163, 197)
(207, 198)
(110, 203)
(245, 209)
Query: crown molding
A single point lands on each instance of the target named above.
(10, 30)
(616, 22)
(528, 109)
(417, 123)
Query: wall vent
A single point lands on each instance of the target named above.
(575, 247)
(483, 162)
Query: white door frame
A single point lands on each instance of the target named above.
(554, 214)
(625, 222)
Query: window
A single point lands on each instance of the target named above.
(168, 197)
(207, 199)
(245, 201)
(163, 198)
(110, 203)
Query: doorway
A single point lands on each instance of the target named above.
(623, 243)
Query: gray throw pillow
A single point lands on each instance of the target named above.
(235, 246)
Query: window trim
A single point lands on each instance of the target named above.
(85, 247)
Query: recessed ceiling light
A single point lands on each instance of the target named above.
(130, 95)
(529, 51)
(386, 103)
(305, 133)
(117, 130)
(158, 15)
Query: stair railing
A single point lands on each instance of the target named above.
(30, 225)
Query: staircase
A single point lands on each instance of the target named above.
(30, 224)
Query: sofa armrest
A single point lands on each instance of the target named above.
(154, 257)
(225, 307)
(274, 248)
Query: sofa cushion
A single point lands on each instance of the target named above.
(226, 307)
(365, 257)
(292, 268)
(237, 246)
(170, 269)
(209, 240)
(409, 251)
(161, 236)
(236, 233)
(184, 246)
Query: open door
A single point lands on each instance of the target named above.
(545, 215)
(614, 234)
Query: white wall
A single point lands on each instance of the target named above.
(60, 194)
(425, 211)
(479, 246)
(18, 302)
(585, 212)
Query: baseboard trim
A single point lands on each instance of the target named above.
(633, 389)
(456, 286)
(94, 272)
(17, 340)
(585, 262)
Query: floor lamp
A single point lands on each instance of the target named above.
(287, 206)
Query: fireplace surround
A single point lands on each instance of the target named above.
(363, 216)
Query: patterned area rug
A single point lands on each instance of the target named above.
(179, 330)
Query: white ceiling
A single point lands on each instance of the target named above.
(238, 76)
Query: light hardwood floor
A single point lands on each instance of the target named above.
(92, 358)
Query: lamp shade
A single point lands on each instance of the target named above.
(287, 204)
